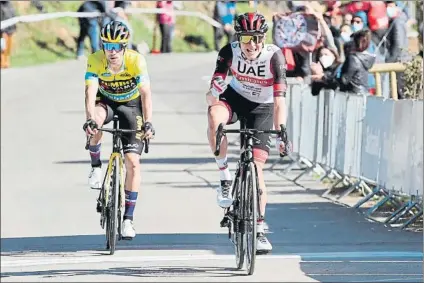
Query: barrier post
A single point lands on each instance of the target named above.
(393, 85)
(154, 40)
(378, 84)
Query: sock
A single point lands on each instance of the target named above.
(95, 155)
(224, 172)
(130, 200)
(260, 225)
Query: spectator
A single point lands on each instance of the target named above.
(89, 27)
(332, 23)
(114, 11)
(360, 22)
(302, 66)
(324, 72)
(166, 24)
(38, 5)
(7, 12)
(354, 72)
(345, 33)
(345, 40)
(327, 35)
(296, 6)
(397, 36)
(397, 41)
(347, 19)
(224, 13)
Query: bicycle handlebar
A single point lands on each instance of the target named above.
(119, 132)
(249, 132)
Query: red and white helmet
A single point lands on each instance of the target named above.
(251, 23)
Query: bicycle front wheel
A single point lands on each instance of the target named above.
(112, 223)
(238, 218)
(250, 216)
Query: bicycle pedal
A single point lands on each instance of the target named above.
(127, 238)
(225, 222)
(263, 252)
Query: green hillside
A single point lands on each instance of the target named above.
(52, 40)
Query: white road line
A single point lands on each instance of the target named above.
(363, 274)
(401, 279)
(307, 257)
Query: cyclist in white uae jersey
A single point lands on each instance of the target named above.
(256, 92)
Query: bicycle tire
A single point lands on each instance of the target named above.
(237, 234)
(113, 208)
(251, 216)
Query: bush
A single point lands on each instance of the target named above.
(414, 78)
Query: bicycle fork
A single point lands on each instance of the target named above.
(103, 199)
(232, 215)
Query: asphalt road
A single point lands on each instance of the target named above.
(50, 230)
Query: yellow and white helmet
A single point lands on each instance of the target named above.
(115, 32)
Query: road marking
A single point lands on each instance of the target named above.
(121, 259)
(401, 279)
(362, 274)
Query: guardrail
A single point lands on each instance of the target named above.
(362, 141)
(49, 16)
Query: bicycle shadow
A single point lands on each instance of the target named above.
(135, 272)
(56, 245)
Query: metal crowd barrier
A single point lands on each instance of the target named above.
(363, 141)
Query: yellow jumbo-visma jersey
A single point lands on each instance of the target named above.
(122, 86)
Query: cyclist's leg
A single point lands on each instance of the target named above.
(221, 112)
(262, 118)
(103, 114)
(130, 117)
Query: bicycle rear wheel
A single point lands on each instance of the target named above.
(250, 216)
(112, 219)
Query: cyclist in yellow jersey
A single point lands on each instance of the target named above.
(117, 83)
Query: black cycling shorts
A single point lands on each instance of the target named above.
(258, 115)
(130, 115)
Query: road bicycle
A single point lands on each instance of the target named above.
(241, 217)
(111, 200)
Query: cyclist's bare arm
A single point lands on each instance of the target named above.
(146, 102)
(144, 88)
(223, 62)
(91, 88)
(278, 65)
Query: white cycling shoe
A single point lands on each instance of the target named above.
(262, 244)
(95, 178)
(128, 230)
(224, 197)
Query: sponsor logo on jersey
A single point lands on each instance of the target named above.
(257, 70)
(125, 75)
(118, 87)
(106, 74)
